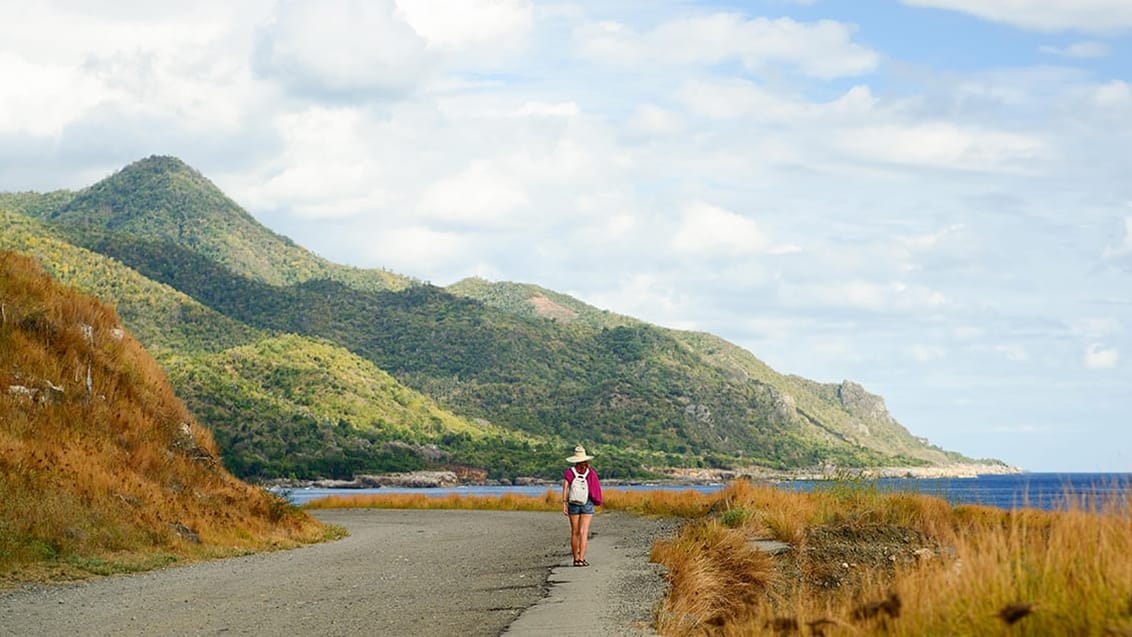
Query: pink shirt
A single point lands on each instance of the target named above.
(591, 480)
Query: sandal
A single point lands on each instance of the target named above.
(583, 563)
(578, 563)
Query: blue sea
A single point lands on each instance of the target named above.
(1048, 491)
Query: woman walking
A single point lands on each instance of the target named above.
(581, 492)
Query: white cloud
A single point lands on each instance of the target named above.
(1114, 94)
(645, 295)
(1123, 246)
(650, 119)
(943, 145)
(1044, 15)
(821, 49)
(1089, 49)
(619, 225)
(41, 99)
(79, 29)
(773, 329)
(933, 240)
(467, 24)
(547, 109)
(1096, 328)
(1016, 353)
(967, 332)
(342, 48)
(325, 169)
(927, 353)
(419, 248)
(840, 349)
(708, 231)
(861, 294)
(180, 65)
(734, 98)
(1022, 429)
(481, 194)
(1096, 357)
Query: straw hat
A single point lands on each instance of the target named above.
(579, 455)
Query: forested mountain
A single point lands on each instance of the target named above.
(844, 410)
(264, 425)
(163, 199)
(529, 371)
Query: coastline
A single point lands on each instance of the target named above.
(675, 477)
(958, 470)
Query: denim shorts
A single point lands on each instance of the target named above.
(581, 509)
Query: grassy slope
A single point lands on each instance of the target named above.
(101, 467)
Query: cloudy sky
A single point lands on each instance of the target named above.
(930, 197)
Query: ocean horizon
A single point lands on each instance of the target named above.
(1037, 490)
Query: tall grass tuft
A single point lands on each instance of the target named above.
(716, 575)
(1067, 570)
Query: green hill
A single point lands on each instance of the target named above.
(533, 301)
(535, 369)
(292, 406)
(163, 199)
(842, 413)
(264, 426)
(163, 318)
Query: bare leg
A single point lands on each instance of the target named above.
(583, 534)
(575, 524)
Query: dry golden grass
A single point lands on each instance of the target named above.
(101, 467)
(682, 503)
(550, 501)
(1069, 571)
(717, 577)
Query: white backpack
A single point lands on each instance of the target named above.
(579, 488)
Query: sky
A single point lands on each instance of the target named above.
(932, 198)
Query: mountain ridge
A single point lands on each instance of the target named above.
(517, 356)
(182, 206)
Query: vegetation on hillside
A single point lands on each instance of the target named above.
(102, 469)
(164, 199)
(196, 278)
(529, 300)
(635, 388)
(821, 411)
(294, 406)
(162, 318)
(262, 430)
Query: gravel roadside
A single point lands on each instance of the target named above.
(401, 572)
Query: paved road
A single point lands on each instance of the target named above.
(460, 573)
